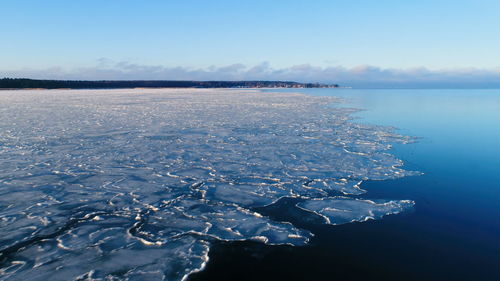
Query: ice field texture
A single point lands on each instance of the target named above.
(135, 184)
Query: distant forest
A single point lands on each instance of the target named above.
(22, 83)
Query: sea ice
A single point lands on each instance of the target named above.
(136, 184)
(339, 210)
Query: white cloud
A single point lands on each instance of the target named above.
(359, 76)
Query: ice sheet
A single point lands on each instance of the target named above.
(135, 184)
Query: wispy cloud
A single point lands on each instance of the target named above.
(360, 76)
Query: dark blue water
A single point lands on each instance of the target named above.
(453, 232)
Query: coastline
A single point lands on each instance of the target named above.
(24, 83)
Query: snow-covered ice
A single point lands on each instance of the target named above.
(136, 183)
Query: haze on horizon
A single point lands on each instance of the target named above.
(357, 43)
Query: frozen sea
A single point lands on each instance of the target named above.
(248, 185)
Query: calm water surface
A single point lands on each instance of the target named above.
(453, 232)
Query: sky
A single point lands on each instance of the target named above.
(362, 42)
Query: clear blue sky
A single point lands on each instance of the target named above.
(438, 34)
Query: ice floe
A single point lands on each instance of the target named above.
(136, 184)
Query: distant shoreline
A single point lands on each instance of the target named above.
(35, 84)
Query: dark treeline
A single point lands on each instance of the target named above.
(22, 83)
